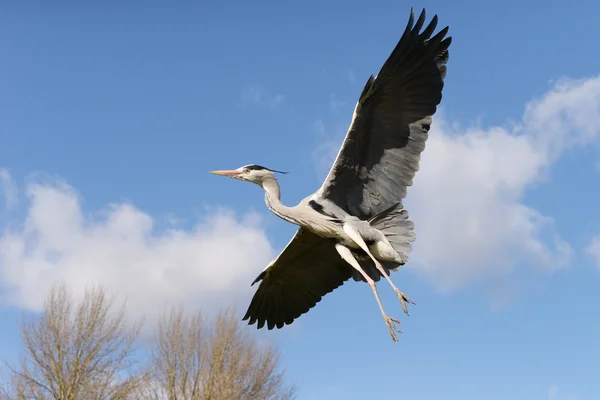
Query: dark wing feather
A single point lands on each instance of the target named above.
(305, 271)
(381, 152)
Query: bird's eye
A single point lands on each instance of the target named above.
(246, 171)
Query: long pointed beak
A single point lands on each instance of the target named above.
(232, 173)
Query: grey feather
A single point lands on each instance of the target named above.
(381, 151)
(306, 270)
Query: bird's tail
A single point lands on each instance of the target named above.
(393, 222)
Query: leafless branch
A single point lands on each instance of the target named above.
(194, 360)
(77, 350)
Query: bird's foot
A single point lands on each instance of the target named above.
(391, 324)
(404, 299)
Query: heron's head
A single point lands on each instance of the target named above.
(250, 173)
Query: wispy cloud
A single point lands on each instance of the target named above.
(8, 189)
(334, 103)
(593, 249)
(343, 74)
(555, 394)
(351, 76)
(120, 247)
(470, 219)
(254, 94)
(328, 146)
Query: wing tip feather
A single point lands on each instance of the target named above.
(279, 321)
(259, 278)
(420, 21)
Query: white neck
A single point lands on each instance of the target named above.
(273, 200)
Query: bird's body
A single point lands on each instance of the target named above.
(354, 226)
(310, 214)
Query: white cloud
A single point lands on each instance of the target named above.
(256, 95)
(593, 249)
(467, 199)
(8, 188)
(119, 247)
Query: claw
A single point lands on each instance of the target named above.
(403, 299)
(391, 324)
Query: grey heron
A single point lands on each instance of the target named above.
(354, 225)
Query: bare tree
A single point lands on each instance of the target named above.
(193, 360)
(79, 350)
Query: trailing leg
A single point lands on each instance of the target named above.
(357, 238)
(347, 256)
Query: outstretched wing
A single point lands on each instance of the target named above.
(305, 271)
(391, 121)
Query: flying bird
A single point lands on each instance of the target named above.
(354, 225)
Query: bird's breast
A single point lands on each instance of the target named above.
(325, 228)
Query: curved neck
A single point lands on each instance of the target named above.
(273, 200)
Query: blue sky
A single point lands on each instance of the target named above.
(111, 117)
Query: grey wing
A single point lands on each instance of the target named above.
(305, 271)
(381, 151)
